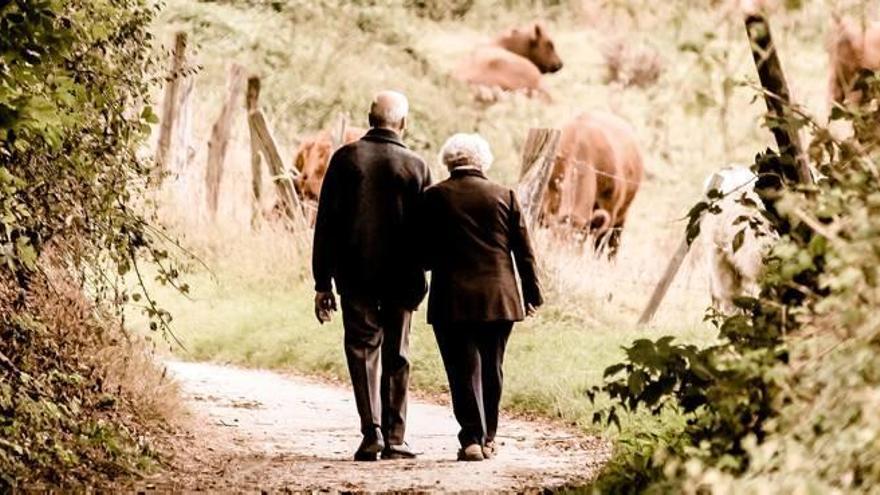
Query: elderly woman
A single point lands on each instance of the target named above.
(474, 232)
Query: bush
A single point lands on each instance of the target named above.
(78, 395)
(639, 67)
(74, 79)
(785, 399)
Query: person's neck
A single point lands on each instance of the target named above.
(397, 132)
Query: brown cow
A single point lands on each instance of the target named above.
(513, 61)
(596, 176)
(854, 48)
(312, 158)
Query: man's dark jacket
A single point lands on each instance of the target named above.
(471, 227)
(365, 233)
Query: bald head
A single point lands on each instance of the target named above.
(389, 110)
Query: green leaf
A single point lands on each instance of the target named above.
(738, 240)
(149, 116)
(26, 253)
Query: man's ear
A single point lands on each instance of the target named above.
(403, 123)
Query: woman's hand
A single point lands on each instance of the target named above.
(531, 309)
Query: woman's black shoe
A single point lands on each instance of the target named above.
(370, 447)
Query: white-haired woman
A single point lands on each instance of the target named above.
(474, 232)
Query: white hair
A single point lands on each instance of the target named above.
(389, 107)
(466, 150)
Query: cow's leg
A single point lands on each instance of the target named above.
(605, 236)
(607, 243)
(614, 241)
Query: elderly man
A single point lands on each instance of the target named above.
(364, 241)
(474, 232)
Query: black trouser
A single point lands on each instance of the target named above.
(473, 354)
(377, 349)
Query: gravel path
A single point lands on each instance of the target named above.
(263, 431)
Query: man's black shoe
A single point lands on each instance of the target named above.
(370, 447)
(395, 452)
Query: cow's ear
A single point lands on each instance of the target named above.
(539, 31)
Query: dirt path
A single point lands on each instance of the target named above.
(262, 431)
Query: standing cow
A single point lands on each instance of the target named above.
(596, 175)
(312, 158)
(854, 50)
(514, 61)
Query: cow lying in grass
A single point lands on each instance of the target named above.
(514, 61)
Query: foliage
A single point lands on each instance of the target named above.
(74, 79)
(793, 371)
(76, 394)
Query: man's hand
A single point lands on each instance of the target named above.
(325, 305)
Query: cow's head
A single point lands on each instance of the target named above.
(534, 43)
(311, 161)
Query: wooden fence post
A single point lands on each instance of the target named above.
(175, 89)
(539, 155)
(220, 134)
(338, 136)
(673, 266)
(777, 98)
(252, 98)
(264, 142)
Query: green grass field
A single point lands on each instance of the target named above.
(552, 358)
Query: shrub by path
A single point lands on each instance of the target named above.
(259, 430)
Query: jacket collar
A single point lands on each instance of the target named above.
(466, 172)
(379, 135)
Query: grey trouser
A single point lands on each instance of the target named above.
(377, 351)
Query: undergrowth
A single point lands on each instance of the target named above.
(78, 395)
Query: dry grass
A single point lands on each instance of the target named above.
(83, 398)
(121, 363)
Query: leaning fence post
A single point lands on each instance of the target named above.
(220, 134)
(539, 155)
(252, 98)
(264, 142)
(777, 97)
(673, 266)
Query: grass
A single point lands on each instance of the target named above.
(255, 310)
(320, 59)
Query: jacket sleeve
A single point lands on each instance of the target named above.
(422, 220)
(428, 179)
(425, 231)
(523, 255)
(324, 247)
